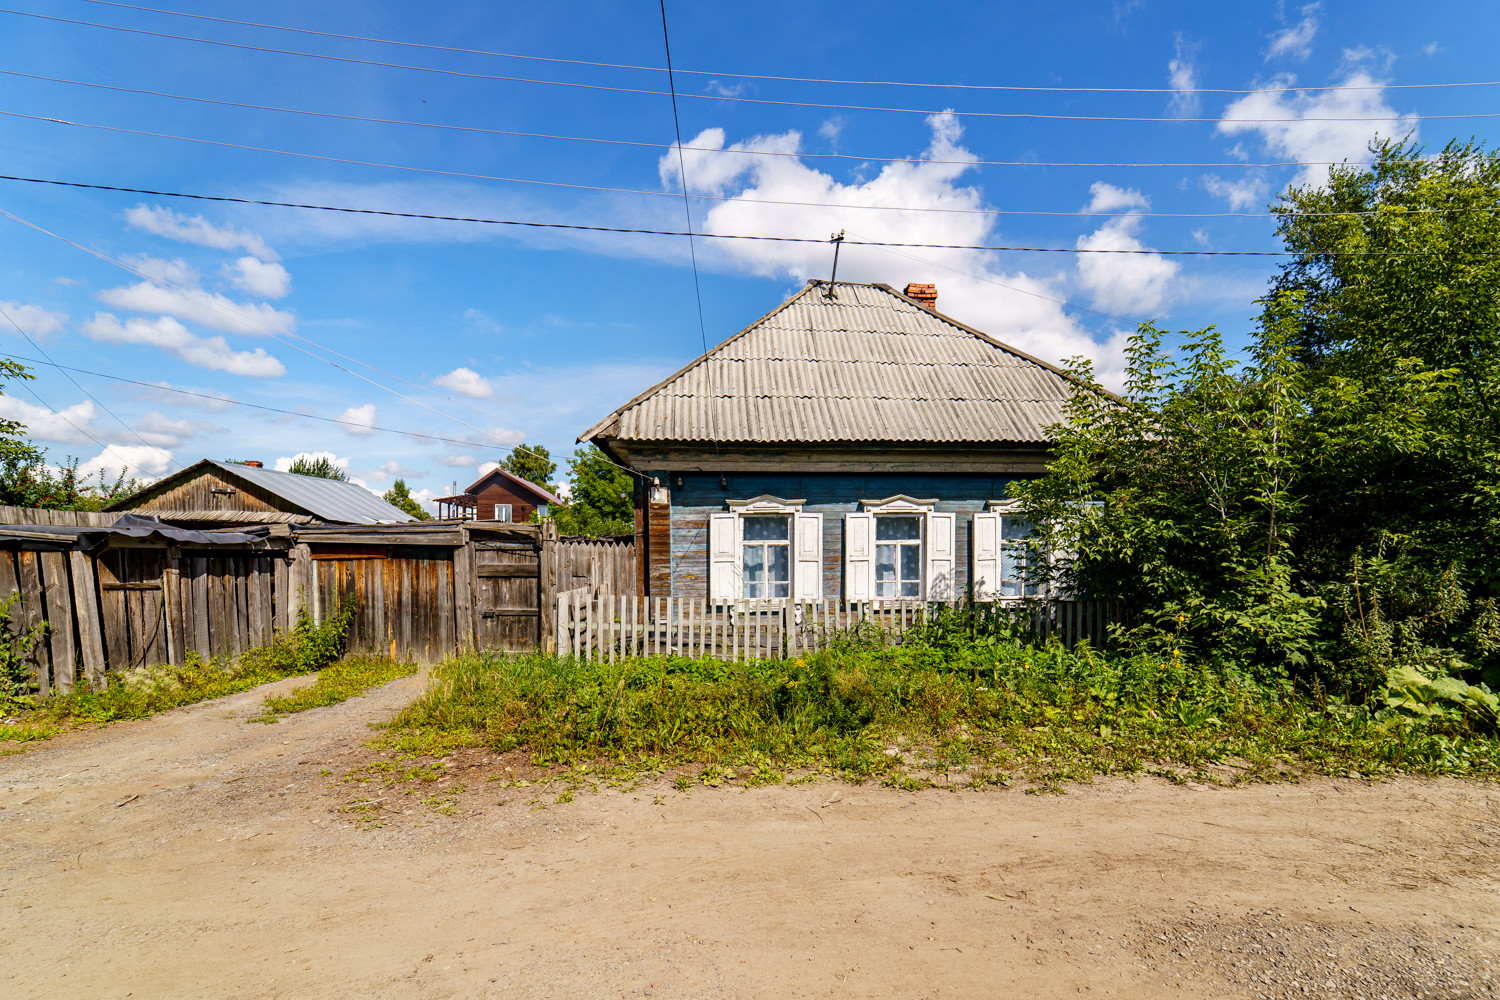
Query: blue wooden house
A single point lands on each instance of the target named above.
(852, 444)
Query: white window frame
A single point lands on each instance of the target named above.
(508, 508)
(726, 576)
(937, 541)
(989, 557)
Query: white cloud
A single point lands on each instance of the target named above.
(466, 382)
(197, 230)
(203, 399)
(832, 128)
(35, 320)
(1128, 282)
(139, 462)
(1108, 198)
(1247, 192)
(459, 461)
(393, 469)
(160, 430)
(363, 416)
(481, 320)
(267, 279)
(175, 271)
(1296, 40)
(1430, 49)
(1017, 307)
(70, 425)
(425, 498)
(171, 336)
(1183, 77)
(67, 282)
(284, 463)
(217, 312)
(1313, 142)
(485, 467)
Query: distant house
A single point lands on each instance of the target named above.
(853, 443)
(215, 494)
(497, 495)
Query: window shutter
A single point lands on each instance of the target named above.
(724, 557)
(984, 540)
(859, 557)
(941, 529)
(807, 536)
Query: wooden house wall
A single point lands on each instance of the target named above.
(832, 495)
(522, 503)
(197, 495)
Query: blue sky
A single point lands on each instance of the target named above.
(489, 335)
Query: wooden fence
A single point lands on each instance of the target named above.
(36, 515)
(610, 627)
(422, 591)
(602, 565)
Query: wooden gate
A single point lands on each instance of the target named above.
(509, 598)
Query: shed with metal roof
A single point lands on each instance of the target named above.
(213, 493)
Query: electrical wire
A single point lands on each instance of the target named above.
(1002, 115)
(641, 144)
(97, 402)
(705, 235)
(104, 448)
(1009, 88)
(604, 189)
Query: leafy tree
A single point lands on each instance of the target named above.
(399, 495)
(533, 463)
(322, 467)
(27, 481)
(600, 501)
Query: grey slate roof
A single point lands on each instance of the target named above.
(326, 499)
(871, 365)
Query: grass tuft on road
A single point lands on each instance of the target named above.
(343, 680)
(912, 717)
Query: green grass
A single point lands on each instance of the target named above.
(337, 683)
(993, 712)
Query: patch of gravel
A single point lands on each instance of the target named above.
(1273, 957)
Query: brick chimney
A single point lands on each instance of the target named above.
(254, 465)
(924, 295)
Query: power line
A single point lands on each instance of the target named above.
(702, 235)
(104, 448)
(604, 189)
(276, 335)
(1009, 88)
(641, 144)
(9, 319)
(1003, 115)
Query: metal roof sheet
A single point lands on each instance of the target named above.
(870, 365)
(327, 499)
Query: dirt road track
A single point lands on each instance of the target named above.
(200, 855)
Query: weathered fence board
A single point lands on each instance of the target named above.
(608, 626)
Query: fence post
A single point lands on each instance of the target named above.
(86, 608)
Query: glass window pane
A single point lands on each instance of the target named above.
(781, 590)
(755, 563)
(778, 564)
(762, 528)
(910, 589)
(911, 562)
(892, 529)
(885, 588)
(885, 562)
(1014, 527)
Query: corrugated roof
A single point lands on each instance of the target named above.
(870, 365)
(328, 499)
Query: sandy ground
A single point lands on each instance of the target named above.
(196, 854)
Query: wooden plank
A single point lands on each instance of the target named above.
(281, 583)
(86, 611)
(57, 593)
(300, 584)
(203, 594)
(113, 607)
(29, 576)
(171, 586)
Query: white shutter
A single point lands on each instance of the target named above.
(941, 529)
(807, 576)
(859, 557)
(984, 541)
(724, 557)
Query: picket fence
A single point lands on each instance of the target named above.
(610, 627)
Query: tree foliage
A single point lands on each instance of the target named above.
(600, 496)
(1330, 507)
(533, 463)
(399, 495)
(26, 480)
(322, 467)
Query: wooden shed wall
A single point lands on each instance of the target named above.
(522, 504)
(197, 494)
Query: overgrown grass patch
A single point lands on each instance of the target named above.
(992, 713)
(337, 683)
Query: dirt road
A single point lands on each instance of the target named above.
(199, 855)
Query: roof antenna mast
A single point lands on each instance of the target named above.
(837, 239)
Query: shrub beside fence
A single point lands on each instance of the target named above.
(613, 626)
